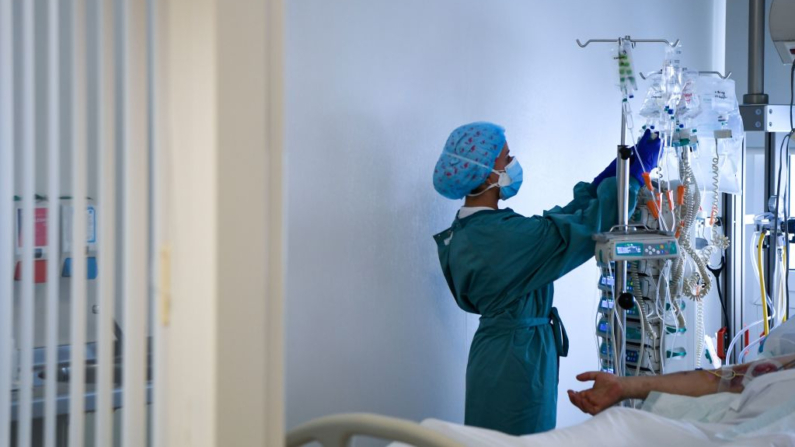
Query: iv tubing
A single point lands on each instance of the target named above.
(765, 317)
(738, 337)
(699, 332)
(612, 342)
(784, 268)
(642, 338)
(747, 350)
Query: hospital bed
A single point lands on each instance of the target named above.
(338, 430)
(762, 415)
(633, 427)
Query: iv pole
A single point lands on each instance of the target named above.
(758, 116)
(622, 168)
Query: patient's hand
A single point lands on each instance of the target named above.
(607, 390)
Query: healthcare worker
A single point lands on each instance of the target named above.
(501, 265)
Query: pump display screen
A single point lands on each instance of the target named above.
(629, 249)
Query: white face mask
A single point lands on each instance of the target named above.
(509, 182)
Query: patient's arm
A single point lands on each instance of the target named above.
(609, 389)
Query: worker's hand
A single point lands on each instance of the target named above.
(610, 171)
(644, 158)
(645, 155)
(607, 390)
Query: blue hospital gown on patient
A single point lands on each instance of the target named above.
(501, 265)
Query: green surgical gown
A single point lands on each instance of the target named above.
(501, 265)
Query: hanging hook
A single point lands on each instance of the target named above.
(647, 75)
(717, 73)
(590, 41)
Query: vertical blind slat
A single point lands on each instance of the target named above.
(136, 193)
(28, 147)
(106, 220)
(6, 216)
(53, 227)
(78, 279)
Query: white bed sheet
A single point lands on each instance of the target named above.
(621, 427)
(763, 415)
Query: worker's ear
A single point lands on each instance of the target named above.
(490, 180)
(479, 189)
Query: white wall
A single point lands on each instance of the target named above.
(372, 90)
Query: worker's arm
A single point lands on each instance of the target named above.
(540, 249)
(584, 193)
(605, 193)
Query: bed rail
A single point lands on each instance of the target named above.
(337, 431)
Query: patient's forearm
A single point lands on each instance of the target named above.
(700, 383)
(688, 383)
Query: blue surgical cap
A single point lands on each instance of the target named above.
(467, 159)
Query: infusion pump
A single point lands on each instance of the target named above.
(635, 246)
(645, 328)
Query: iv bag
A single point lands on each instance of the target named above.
(729, 152)
(669, 165)
(627, 82)
(730, 159)
(720, 109)
(671, 76)
(654, 102)
(689, 102)
(719, 112)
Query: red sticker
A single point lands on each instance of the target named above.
(41, 227)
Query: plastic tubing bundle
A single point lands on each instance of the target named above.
(692, 288)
